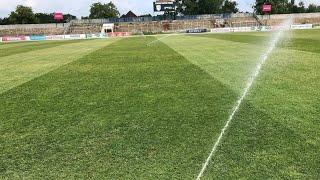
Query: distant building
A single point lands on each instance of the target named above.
(130, 14)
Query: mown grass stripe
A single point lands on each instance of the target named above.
(295, 40)
(23, 67)
(8, 50)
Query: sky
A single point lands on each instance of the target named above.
(81, 7)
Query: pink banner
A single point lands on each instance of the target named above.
(119, 34)
(14, 38)
(266, 8)
(58, 16)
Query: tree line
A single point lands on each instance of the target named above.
(25, 15)
(286, 7)
(195, 7)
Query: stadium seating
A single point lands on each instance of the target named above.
(204, 21)
(33, 29)
(85, 28)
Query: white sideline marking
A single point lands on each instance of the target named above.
(159, 39)
(263, 58)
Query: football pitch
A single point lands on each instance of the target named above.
(142, 108)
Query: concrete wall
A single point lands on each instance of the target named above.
(33, 29)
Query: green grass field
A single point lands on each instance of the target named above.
(119, 109)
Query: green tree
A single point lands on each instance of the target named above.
(49, 18)
(230, 7)
(4, 21)
(194, 7)
(301, 7)
(22, 15)
(68, 17)
(45, 18)
(188, 7)
(210, 6)
(99, 10)
(312, 8)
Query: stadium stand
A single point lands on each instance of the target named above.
(154, 25)
(84, 28)
(33, 29)
(303, 18)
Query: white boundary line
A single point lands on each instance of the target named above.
(263, 58)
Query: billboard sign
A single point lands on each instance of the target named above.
(301, 26)
(55, 37)
(196, 30)
(37, 38)
(266, 8)
(118, 34)
(58, 16)
(96, 36)
(164, 6)
(75, 36)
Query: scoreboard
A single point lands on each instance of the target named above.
(164, 5)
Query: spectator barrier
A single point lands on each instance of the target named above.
(259, 28)
(302, 26)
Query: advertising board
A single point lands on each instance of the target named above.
(261, 28)
(301, 26)
(58, 16)
(242, 29)
(75, 36)
(266, 8)
(221, 30)
(96, 36)
(119, 34)
(15, 38)
(37, 38)
(55, 37)
(196, 31)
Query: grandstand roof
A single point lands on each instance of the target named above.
(129, 14)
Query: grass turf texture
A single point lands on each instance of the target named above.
(124, 111)
(17, 48)
(22, 67)
(276, 133)
(131, 111)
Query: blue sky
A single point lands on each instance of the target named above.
(81, 7)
